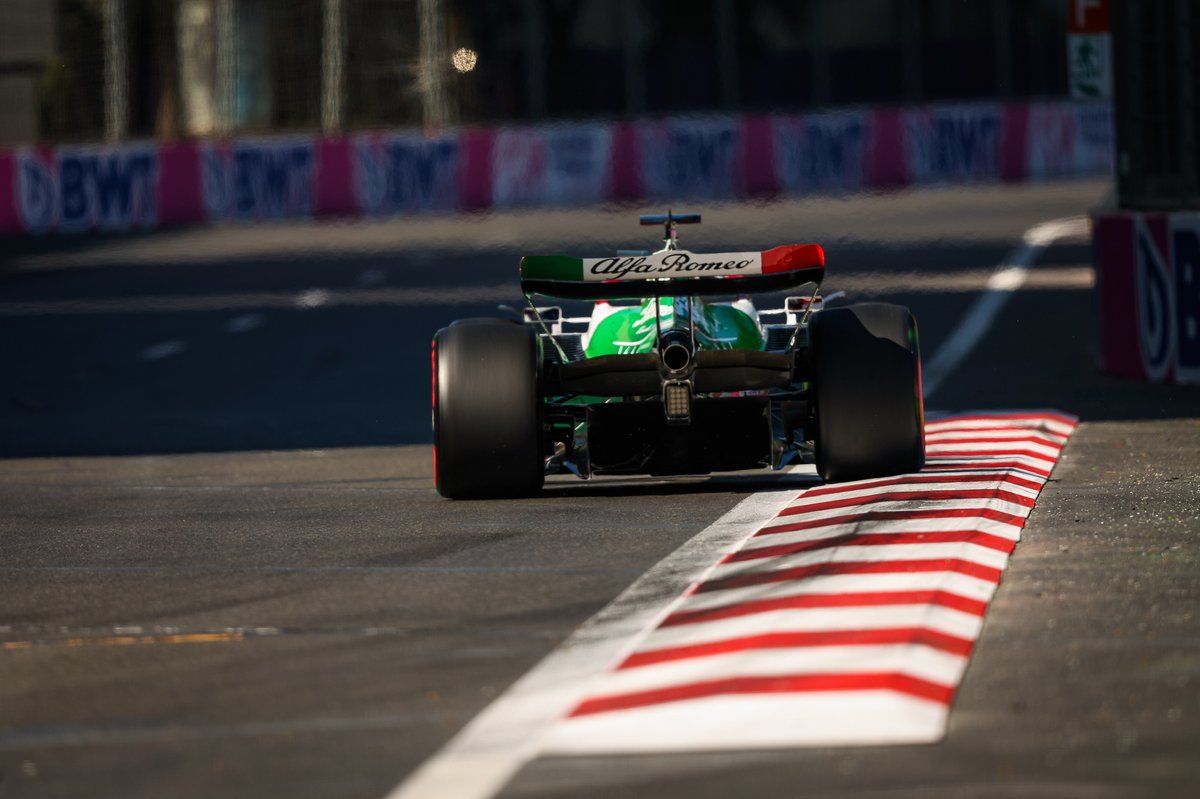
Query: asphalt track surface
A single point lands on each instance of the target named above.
(224, 571)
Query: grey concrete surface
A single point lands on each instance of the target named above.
(223, 570)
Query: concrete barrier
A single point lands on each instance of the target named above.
(1148, 281)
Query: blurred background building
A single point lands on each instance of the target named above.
(1156, 56)
(85, 70)
(27, 45)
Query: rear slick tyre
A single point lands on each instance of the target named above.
(867, 382)
(486, 410)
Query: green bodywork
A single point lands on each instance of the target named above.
(632, 329)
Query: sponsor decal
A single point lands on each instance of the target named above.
(821, 152)
(121, 188)
(1095, 144)
(578, 163)
(691, 158)
(563, 164)
(677, 263)
(519, 166)
(1185, 256)
(1052, 137)
(1155, 304)
(1069, 139)
(395, 174)
(259, 179)
(954, 143)
(654, 314)
(88, 188)
(37, 193)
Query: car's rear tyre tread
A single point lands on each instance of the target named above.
(867, 384)
(486, 410)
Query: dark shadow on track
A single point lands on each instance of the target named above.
(740, 482)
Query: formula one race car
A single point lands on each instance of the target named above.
(672, 381)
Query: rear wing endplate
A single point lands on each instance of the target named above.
(673, 273)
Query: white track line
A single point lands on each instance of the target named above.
(244, 323)
(1007, 278)
(508, 733)
(164, 350)
(313, 298)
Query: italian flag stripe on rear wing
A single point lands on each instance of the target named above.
(673, 271)
(793, 256)
(551, 267)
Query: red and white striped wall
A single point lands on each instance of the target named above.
(848, 618)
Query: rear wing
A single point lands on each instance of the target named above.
(672, 273)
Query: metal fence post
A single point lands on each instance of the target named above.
(226, 52)
(116, 75)
(333, 52)
(432, 77)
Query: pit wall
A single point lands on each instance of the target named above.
(143, 185)
(1148, 280)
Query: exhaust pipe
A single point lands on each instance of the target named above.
(675, 351)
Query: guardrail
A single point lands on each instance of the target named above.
(143, 185)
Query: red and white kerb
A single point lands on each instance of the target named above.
(848, 619)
